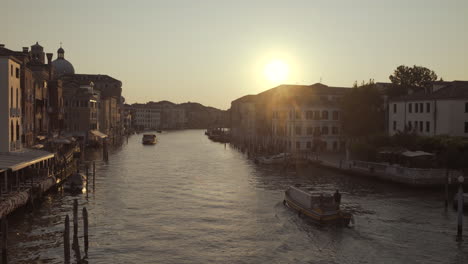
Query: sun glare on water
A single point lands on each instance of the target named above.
(276, 71)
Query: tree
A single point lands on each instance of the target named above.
(363, 112)
(414, 79)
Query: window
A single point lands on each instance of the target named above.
(298, 145)
(336, 115)
(421, 126)
(325, 115)
(309, 144)
(410, 108)
(428, 126)
(298, 130)
(335, 130)
(310, 130)
(325, 130)
(428, 107)
(317, 131)
(421, 107)
(466, 127)
(466, 107)
(394, 125)
(415, 125)
(298, 114)
(394, 108)
(416, 107)
(17, 73)
(410, 126)
(11, 70)
(309, 115)
(335, 145)
(317, 115)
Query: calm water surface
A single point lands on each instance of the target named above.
(190, 200)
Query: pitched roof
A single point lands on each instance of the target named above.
(449, 90)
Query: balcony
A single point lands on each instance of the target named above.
(15, 112)
(15, 145)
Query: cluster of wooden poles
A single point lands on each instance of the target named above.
(75, 244)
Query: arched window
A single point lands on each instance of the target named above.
(17, 130)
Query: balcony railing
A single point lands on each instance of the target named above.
(15, 145)
(15, 112)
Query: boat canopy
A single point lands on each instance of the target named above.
(98, 133)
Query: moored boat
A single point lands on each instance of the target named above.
(320, 209)
(75, 183)
(149, 139)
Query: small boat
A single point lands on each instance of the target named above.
(275, 159)
(321, 209)
(75, 183)
(149, 139)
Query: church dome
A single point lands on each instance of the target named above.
(61, 65)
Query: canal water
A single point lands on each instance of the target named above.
(190, 200)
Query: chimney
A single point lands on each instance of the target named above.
(49, 58)
(2, 45)
(25, 49)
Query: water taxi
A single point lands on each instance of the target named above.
(320, 209)
(149, 139)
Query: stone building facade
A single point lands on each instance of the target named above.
(442, 110)
(10, 104)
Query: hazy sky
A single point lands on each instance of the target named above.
(213, 52)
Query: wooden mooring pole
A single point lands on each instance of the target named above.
(75, 217)
(76, 244)
(87, 180)
(66, 240)
(4, 240)
(460, 209)
(94, 175)
(85, 230)
(446, 189)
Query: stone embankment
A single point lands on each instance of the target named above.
(394, 173)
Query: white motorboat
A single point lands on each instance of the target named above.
(275, 159)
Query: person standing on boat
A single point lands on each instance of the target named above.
(337, 197)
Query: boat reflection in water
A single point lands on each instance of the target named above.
(321, 209)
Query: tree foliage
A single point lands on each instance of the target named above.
(414, 79)
(363, 113)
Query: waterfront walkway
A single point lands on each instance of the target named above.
(383, 171)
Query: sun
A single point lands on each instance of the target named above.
(276, 71)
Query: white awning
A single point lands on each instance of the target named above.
(418, 153)
(98, 133)
(19, 160)
(61, 141)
